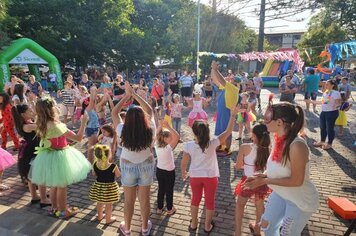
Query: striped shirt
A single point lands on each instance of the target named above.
(68, 97)
(186, 81)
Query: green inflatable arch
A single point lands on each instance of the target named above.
(27, 51)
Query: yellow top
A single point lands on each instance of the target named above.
(231, 95)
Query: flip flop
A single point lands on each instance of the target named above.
(212, 227)
(112, 220)
(146, 232)
(122, 229)
(318, 144)
(327, 147)
(190, 229)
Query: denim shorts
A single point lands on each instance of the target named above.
(310, 95)
(133, 174)
(91, 131)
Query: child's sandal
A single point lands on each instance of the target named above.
(66, 213)
(123, 230)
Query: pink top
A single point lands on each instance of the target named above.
(176, 110)
(61, 141)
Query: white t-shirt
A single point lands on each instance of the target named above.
(306, 196)
(165, 158)
(257, 81)
(107, 141)
(329, 100)
(203, 164)
(132, 156)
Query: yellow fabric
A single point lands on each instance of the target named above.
(342, 119)
(231, 95)
(169, 120)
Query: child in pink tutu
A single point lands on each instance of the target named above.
(244, 116)
(197, 103)
(6, 161)
(252, 159)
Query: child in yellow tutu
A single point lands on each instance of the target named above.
(341, 120)
(105, 190)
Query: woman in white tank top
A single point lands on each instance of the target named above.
(294, 197)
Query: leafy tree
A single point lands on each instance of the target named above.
(322, 30)
(75, 29)
(342, 12)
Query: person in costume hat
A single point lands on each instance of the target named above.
(226, 101)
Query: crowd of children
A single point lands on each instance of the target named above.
(125, 148)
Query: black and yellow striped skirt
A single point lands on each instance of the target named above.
(104, 192)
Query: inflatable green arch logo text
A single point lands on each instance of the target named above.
(27, 51)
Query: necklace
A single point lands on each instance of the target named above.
(278, 147)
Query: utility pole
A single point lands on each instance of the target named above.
(261, 31)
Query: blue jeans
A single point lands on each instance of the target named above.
(137, 174)
(44, 84)
(176, 123)
(327, 125)
(283, 213)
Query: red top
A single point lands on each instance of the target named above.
(157, 91)
(61, 141)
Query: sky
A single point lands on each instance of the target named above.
(252, 21)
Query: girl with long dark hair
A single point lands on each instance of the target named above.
(204, 170)
(136, 137)
(26, 128)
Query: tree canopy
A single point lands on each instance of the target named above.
(123, 33)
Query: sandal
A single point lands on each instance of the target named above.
(318, 144)
(35, 201)
(146, 232)
(212, 227)
(122, 229)
(112, 220)
(172, 211)
(190, 229)
(99, 219)
(159, 211)
(66, 213)
(326, 147)
(51, 211)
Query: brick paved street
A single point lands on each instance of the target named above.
(333, 172)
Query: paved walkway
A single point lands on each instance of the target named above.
(333, 172)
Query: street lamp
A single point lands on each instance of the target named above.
(198, 41)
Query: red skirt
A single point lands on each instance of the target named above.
(258, 193)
